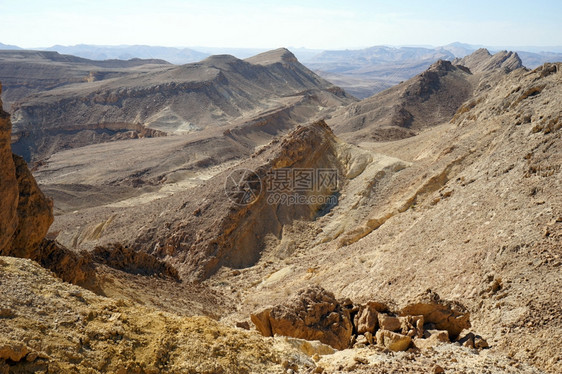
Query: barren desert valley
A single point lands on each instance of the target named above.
(263, 215)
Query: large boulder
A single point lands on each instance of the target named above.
(444, 315)
(312, 314)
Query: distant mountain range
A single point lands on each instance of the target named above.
(533, 55)
(7, 46)
(126, 52)
(364, 72)
(361, 72)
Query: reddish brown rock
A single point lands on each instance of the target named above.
(8, 184)
(35, 213)
(261, 320)
(25, 213)
(312, 314)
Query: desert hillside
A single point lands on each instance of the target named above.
(426, 100)
(266, 221)
(163, 101)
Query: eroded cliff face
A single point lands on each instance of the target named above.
(35, 213)
(8, 184)
(201, 247)
(26, 213)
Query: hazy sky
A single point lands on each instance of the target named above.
(268, 24)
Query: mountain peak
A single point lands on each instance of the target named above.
(220, 59)
(441, 65)
(481, 52)
(282, 55)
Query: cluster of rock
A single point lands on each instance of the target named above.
(315, 314)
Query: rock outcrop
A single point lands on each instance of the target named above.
(482, 61)
(237, 238)
(426, 100)
(312, 314)
(35, 213)
(26, 213)
(126, 259)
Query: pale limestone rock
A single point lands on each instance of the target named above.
(310, 348)
(389, 323)
(393, 341)
(431, 339)
(445, 315)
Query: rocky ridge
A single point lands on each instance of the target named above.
(482, 61)
(426, 100)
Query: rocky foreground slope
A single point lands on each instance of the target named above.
(70, 329)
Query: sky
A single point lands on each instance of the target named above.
(312, 24)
